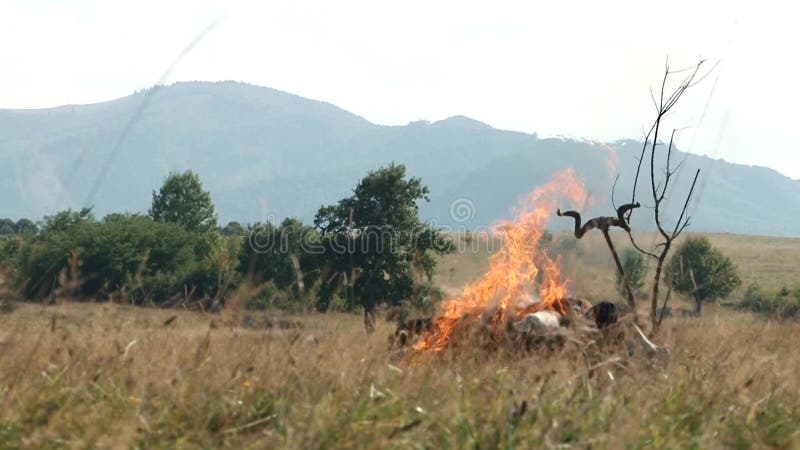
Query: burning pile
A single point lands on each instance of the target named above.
(507, 292)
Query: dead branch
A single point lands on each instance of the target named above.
(604, 223)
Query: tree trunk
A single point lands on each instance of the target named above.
(698, 304)
(656, 282)
(625, 281)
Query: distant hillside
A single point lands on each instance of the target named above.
(264, 152)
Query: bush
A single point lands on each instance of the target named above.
(338, 304)
(268, 298)
(233, 229)
(7, 227)
(699, 270)
(25, 227)
(150, 261)
(784, 303)
(10, 248)
(286, 256)
(635, 266)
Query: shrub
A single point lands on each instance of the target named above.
(10, 248)
(268, 298)
(149, 260)
(287, 256)
(635, 266)
(25, 227)
(7, 227)
(233, 229)
(784, 303)
(699, 270)
(338, 304)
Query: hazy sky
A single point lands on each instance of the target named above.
(581, 69)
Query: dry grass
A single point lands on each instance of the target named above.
(105, 376)
(769, 261)
(109, 376)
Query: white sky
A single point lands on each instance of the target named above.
(581, 69)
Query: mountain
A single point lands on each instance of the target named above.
(265, 153)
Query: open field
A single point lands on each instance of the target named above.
(771, 262)
(111, 376)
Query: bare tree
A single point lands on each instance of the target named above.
(660, 189)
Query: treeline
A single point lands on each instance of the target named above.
(22, 227)
(367, 249)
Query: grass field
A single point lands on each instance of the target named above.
(76, 375)
(769, 261)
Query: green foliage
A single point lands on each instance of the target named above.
(289, 256)
(7, 227)
(374, 241)
(10, 248)
(11, 436)
(699, 270)
(784, 303)
(267, 298)
(149, 260)
(233, 229)
(183, 201)
(65, 220)
(337, 304)
(25, 227)
(368, 249)
(217, 273)
(635, 266)
(40, 261)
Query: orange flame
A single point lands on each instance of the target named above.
(514, 271)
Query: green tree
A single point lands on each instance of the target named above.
(42, 260)
(7, 227)
(67, 220)
(150, 261)
(635, 266)
(26, 227)
(233, 229)
(375, 244)
(10, 249)
(699, 270)
(289, 255)
(183, 201)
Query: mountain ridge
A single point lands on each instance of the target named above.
(265, 153)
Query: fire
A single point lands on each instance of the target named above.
(515, 273)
